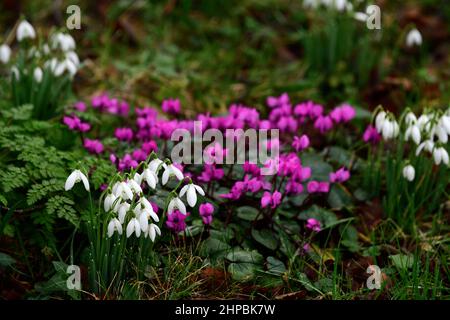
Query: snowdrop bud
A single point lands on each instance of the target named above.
(75, 177)
(133, 227)
(440, 155)
(176, 203)
(5, 53)
(15, 73)
(387, 130)
(379, 121)
(441, 133)
(361, 16)
(395, 129)
(410, 119)
(414, 133)
(114, 225)
(413, 38)
(38, 74)
(409, 172)
(25, 30)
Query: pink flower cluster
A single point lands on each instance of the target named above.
(110, 105)
(74, 123)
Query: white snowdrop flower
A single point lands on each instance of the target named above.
(152, 230)
(63, 41)
(171, 170)
(133, 227)
(25, 30)
(111, 203)
(387, 131)
(155, 165)
(440, 155)
(138, 178)
(38, 74)
(45, 49)
(72, 56)
(361, 16)
(413, 132)
(424, 122)
(409, 172)
(395, 129)
(134, 186)
(191, 193)
(410, 119)
(123, 191)
(444, 122)
(176, 203)
(441, 133)
(70, 67)
(75, 177)
(114, 225)
(15, 73)
(427, 145)
(146, 206)
(58, 68)
(379, 121)
(413, 38)
(122, 211)
(143, 221)
(5, 53)
(150, 177)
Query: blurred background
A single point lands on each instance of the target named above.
(213, 53)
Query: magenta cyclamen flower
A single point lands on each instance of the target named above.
(341, 175)
(371, 135)
(323, 124)
(271, 199)
(93, 146)
(206, 211)
(273, 102)
(171, 106)
(343, 113)
(80, 106)
(127, 162)
(124, 134)
(211, 173)
(301, 143)
(74, 123)
(176, 221)
(318, 187)
(313, 224)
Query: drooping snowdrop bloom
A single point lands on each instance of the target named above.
(176, 203)
(155, 165)
(409, 172)
(25, 30)
(440, 155)
(152, 230)
(114, 225)
(424, 122)
(361, 16)
(444, 122)
(133, 227)
(123, 191)
(15, 73)
(63, 41)
(191, 193)
(150, 177)
(5, 53)
(134, 186)
(413, 38)
(145, 206)
(413, 132)
(410, 119)
(38, 74)
(440, 133)
(123, 209)
(379, 120)
(111, 202)
(427, 145)
(171, 170)
(75, 177)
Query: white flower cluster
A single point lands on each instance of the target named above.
(339, 5)
(127, 197)
(430, 132)
(58, 55)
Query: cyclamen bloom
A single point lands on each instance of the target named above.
(176, 221)
(93, 146)
(339, 176)
(74, 123)
(171, 106)
(211, 173)
(206, 211)
(318, 187)
(323, 124)
(273, 102)
(343, 113)
(271, 199)
(313, 224)
(124, 134)
(80, 106)
(371, 135)
(301, 143)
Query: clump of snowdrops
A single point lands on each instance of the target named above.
(39, 72)
(123, 229)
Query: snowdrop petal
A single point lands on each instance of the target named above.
(199, 189)
(183, 190)
(191, 196)
(85, 180)
(71, 179)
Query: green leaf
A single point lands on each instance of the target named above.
(238, 255)
(338, 197)
(248, 213)
(242, 271)
(275, 266)
(6, 260)
(402, 261)
(214, 248)
(320, 169)
(265, 237)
